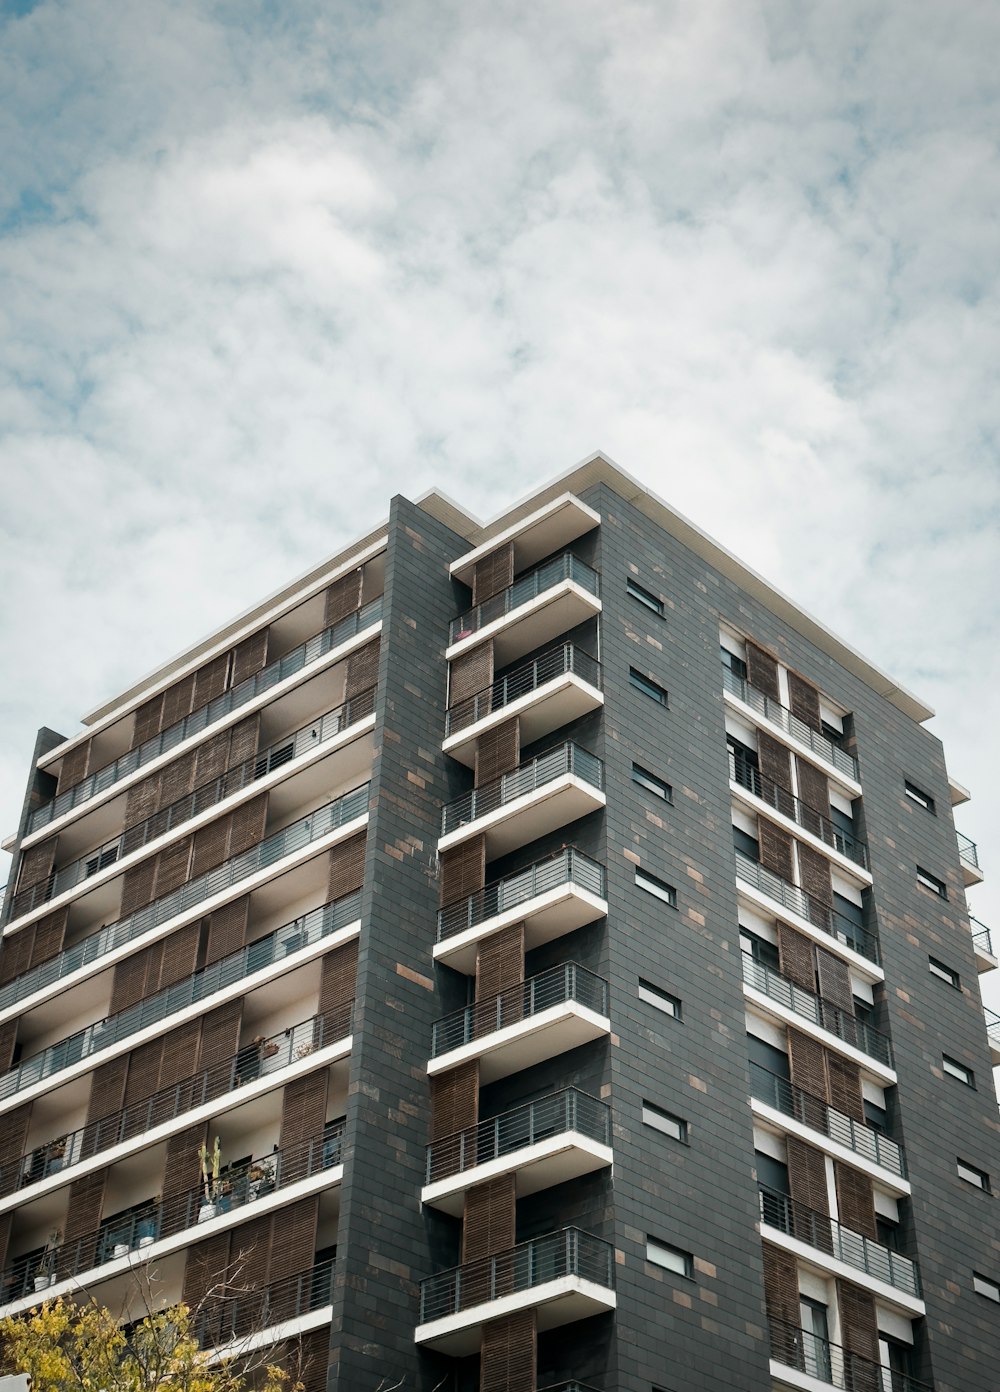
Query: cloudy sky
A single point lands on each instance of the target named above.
(264, 263)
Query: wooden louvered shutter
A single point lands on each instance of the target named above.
(250, 656)
(8, 1038)
(37, 864)
(296, 1230)
(243, 740)
(75, 766)
(774, 760)
(131, 977)
(212, 760)
(455, 1100)
(845, 1086)
(463, 870)
(180, 955)
(303, 1114)
(177, 779)
(342, 598)
(173, 867)
(814, 871)
(500, 968)
(508, 1355)
(835, 990)
(83, 1216)
(6, 1222)
(176, 1066)
(314, 1360)
(469, 674)
(489, 1218)
(107, 1098)
(775, 849)
(138, 885)
(347, 867)
(13, 1136)
(806, 1061)
(855, 1201)
(497, 752)
(781, 1295)
(141, 801)
(762, 671)
(50, 934)
(15, 954)
(337, 986)
(814, 794)
(181, 1173)
(206, 1267)
(493, 573)
(220, 1040)
(177, 701)
(362, 670)
(247, 825)
(142, 1081)
(859, 1335)
(796, 957)
(210, 680)
(227, 927)
(807, 1183)
(803, 699)
(211, 845)
(148, 720)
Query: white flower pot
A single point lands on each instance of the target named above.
(206, 1212)
(146, 1241)
(42, 1282)
(121, 1249)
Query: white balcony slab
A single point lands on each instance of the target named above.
(911, 1306)
(985, 961)
(540, 534)
(524, 819)
(549, 707)
(780, 1121)
(558, 911)
(558, 1302)
(556, 1030)
(543, 1165)
(533, 624)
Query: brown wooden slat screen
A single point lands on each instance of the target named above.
(497, 751)
(815, 874)
(500, 962)
(8, 1038)
(178, 701)
(508, 1356)
(774, 760)
(471, 672)
(83, 1217)
(362, 669)
(37, 864)
(250, 656)
(206, 1264)
(342, 598)
(463, 870)
(13, 1143)
(75, 766)
(834, 980)
(845, 1086)
(493, 573)
(858, 1322)
(762, 671)
(781, 1296)
(338, 978)
(489, 1218)
(303, 1109)
(455, 1100)
(803, 700)
(210, 680)
(181, 1171)
(293, 1242)
(15, 954)
(775, 849)
(226, 929)
(347, 866)
(855, 1201)
(796, 957)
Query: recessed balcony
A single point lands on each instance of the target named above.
(319, 645)
(551, 528)
(250, 1312)
(548, 601)
(799, 1004)
(809, 910)
(993, 1034)
(968, 855)
(553, 897)
(541, 796)
(782, 1214)
(801, 1359)
(788, 724)
(543, 1143)
(982, 945)
(744, 775)
(564, 1276)
(545, 694)
(548, 1014)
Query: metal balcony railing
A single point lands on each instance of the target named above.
(568, 866)
(992, 1026)
(115, 1238)
(558, 662)
(827, 1235)
(817, 1010)
(266, 853)
(780, 715)
(568, 1252)
(308, 652)
(567, 982)
(247, 1311)
(259, 1057)
(809, 818)
(821, 916)
(479, 802)
(555, 1115)
(967, 851)
(209, 794)
(820, 1116)
(103, 1034)
(981, 936)
(525, 588)
(829, 1363)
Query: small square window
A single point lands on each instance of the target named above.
(931, 882)
(662, 1254)
(944, 973)
(647, 686)
(652, 784)
(918, 796)
(982, 1285)
(656, 887)
(662, 1000)
(674, 1127)
(957, 1070)
(645, 597)
(972, 1175)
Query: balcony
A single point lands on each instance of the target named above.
(810, 819)
(823, 1234)
(542, 795)
(993, 1034)
(262, 1060)
(544, 1143)
(982, 944)
(545, 694)
(548, 1014)
(171, 1224)
(867, 1143)
(858, 1034)
(790, 724)
(293, 662)
(564, 1276)
(968, 855)
(550, 600)
(817, 915)
(313, 736)
(806, 1353)
(235, 969)
(227, 1319)
(295, 837)
(553, 897)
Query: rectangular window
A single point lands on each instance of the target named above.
(983, 1286)
(662, 1000)
(733, 664)
(662, 1254)
(957, 1070)
(636, 591)
(918, 796)
(931, 882)
(647, 686)
(943, 973)
(674, 1127)
(652, 784)
(656, 887)
(973, 1176)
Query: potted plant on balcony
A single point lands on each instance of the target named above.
(261, 1179)
(146, 1225)
(210, 1164)
(45, 1272)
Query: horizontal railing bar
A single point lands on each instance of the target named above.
(568, 866)
(564, 566)
(554, 763)
(243, 1309)
(560, 661)
(566, 982)
(831, 1363)
(556, 1114)
(816, 1113)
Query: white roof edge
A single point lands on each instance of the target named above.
(521, 526)
(600, 468)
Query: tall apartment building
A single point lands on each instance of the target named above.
(564, 935)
